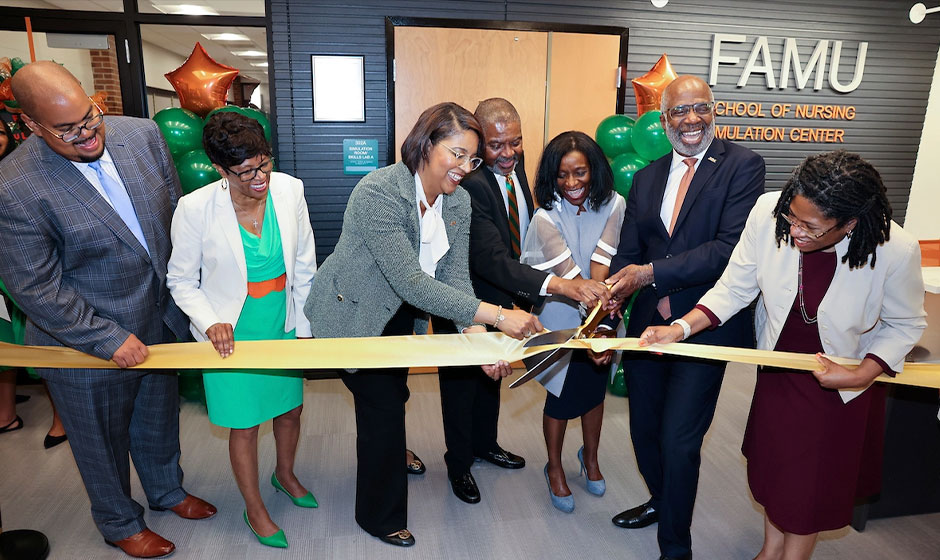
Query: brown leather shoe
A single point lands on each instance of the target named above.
(190, 508)
(145, 544)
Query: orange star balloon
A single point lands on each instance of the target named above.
(202, 83)
(649, 87)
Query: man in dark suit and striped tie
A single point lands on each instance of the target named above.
(86, 244)
(502, 207)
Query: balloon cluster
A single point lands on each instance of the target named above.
(8, 67)
(630, 145)
(202, 86)
(182, 130)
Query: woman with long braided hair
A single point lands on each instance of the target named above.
(834, 276)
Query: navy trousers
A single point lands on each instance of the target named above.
(672, 403)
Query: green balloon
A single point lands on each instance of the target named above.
(250, 113)
(181, 128)
(261, 118)
(624, 166)
(195, 170)
(614, 134)
(649, 138)
(618, 385)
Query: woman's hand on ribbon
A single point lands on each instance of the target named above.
(661, 335)
(223, 338)
(835, 376)
(519, 324)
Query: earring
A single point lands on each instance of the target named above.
(849, 234)
(224, 183)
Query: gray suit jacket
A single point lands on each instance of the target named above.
(69, 260)
(374, 267)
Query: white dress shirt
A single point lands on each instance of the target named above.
(676, 170)
(107, 165)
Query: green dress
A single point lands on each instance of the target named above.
(246, 398)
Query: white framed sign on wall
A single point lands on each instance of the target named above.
(338, 88)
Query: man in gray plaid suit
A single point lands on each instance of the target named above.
(86, 244)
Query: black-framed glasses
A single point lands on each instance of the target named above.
(248, 175)
(702, 108)
(794, 223)
(464, 158)
(74, 133)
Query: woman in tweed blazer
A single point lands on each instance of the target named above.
(403, 254)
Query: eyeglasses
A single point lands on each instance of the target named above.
(703, 108)
(464, 158)
(74, 133)
(795, 224)
(245, 176)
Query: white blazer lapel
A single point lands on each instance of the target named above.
(286, 222)
(225, 220)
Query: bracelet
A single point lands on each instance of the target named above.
(686, 329)
(499, 316)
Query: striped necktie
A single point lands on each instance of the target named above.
(513, 217)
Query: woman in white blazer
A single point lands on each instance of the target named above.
(242, 265)
(836, 276)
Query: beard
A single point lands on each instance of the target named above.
(675, 138)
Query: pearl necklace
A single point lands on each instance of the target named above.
(806, 318)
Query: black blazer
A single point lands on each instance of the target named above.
(497, 277)
(726, 184)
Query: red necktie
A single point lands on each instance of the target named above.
(513, 217)
(663, 306)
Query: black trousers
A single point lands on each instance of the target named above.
(672, 403)
(381, 479)
(470, 410)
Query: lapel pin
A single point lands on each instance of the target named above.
(453, 223)
(711, 159)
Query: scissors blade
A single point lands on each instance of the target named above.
(538, 363)
(554, 337)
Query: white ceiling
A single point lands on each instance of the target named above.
(180, 39)
(223, 7)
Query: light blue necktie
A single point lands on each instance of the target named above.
(121, 202)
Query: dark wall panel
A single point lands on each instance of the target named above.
(890, 102)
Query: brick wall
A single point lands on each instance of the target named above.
(104, 67)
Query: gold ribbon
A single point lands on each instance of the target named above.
(440, 350)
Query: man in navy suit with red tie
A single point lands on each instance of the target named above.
(684, 215)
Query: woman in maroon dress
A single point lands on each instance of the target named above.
(834, 276)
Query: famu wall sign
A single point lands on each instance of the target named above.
(824, 66)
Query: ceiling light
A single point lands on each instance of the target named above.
(919, 12)
(225, 36)
(260, 64)
(250, 53)
(186, 9)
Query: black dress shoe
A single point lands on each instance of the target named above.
(642, 515)
(502, 458)
(399, 538)
(416, 466)
(51, 441)
(465, 488)
(683, 557)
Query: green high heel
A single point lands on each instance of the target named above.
(277, 540)
(308, 501)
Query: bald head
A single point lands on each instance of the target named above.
(56, 108)
(42, 84)
(684, 85)
(496, 110)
